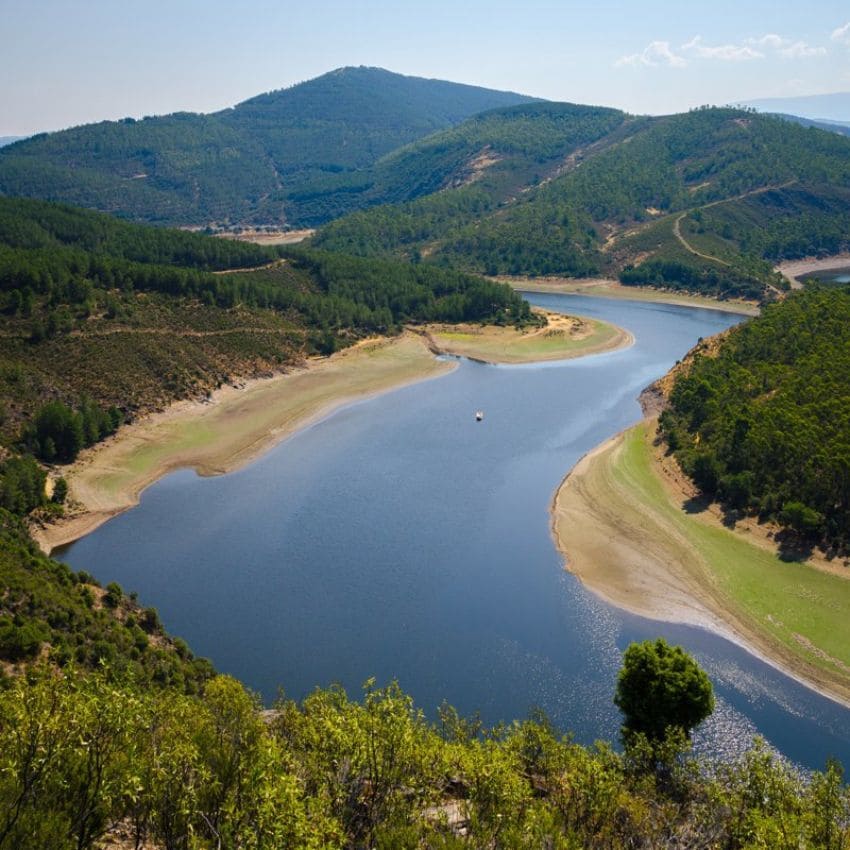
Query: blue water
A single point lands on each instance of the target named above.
(400, 538)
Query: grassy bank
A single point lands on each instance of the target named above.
(563, 337)
(619, 519)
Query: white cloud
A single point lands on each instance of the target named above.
(801, 50)
(842, 34)
(661, 53)
(771, 40)
(657, 53)
(722, 52)
(786, 48)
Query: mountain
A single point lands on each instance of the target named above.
(829, 126)
(821, 107)
(8, 140)
(494, 155)
(705, 200)
(241, 163)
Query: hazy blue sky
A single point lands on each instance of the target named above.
(65, 62)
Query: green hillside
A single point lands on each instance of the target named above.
(134, 317)
(648, 192)
(49, 612)
(764, 427)
(350, 117)
(484, 181)
(239, 164)
(494, 155)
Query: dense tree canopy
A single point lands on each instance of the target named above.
(765, 424)
(63, 617)
(182, 771)
(62, 257)
(241, 163)
(612, 203)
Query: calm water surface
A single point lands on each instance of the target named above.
(400, 538)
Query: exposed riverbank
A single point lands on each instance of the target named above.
(609, 288)
(233, 427)
(562, 338)
(621, 519)
(793, 270)
(237, 424)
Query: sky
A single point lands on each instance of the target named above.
(68, 62)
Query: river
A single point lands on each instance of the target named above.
(399, 538)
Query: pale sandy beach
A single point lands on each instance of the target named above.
(610, 288)
(616, 554)
(231, 429)
(794, 269)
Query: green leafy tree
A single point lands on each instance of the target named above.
(661, 687)
(59, 432)
(803, 519)
(60, 491)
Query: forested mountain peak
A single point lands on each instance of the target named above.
(241, 163)
(361, 94)
(489, 181)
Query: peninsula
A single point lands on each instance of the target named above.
(741, 545)
(235, 424)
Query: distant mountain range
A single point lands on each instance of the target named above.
(8, 140)
(820, 107)
(488, 181)
(829, 126)
(242, 163)
(705, 200)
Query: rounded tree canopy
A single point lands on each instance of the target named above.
(661, 686)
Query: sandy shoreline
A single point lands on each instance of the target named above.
(238, 424)
(230, 430)
(610, 288)
(625, 553)
(794, 269)
(637, 578)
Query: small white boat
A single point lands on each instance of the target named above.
(479, 415)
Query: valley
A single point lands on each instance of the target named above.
(344, 385)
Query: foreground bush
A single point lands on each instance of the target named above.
(82, 754)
